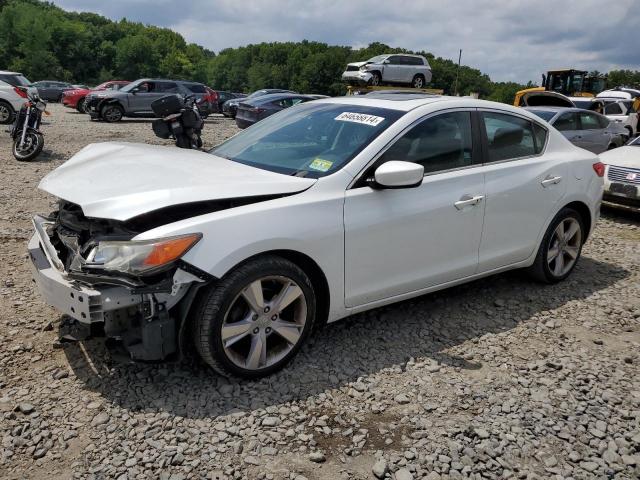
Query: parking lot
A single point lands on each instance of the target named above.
(500, 378)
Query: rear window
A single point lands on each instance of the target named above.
(15, 80)
(196, 88)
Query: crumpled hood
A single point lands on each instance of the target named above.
(119, 180)
(357, 64)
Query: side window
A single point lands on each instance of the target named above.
(508, 136)
(415, 61)
(438, 143)
(540, 134)
(166, 87)
(146, 87)
(604, 121)
(612, 109)
(567, 121)
(196, 88)
(589, 121)
(395, 60)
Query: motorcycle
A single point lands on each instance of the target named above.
(180, 119)
(28, 141)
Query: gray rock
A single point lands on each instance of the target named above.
(380, 468)
(403, 474)
(317, 456)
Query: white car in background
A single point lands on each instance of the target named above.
(621, 106)
(323, 210)
(11, 99)
(622, 180)
(399, 69)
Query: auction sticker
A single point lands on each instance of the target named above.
(362, 118)
(320, 165)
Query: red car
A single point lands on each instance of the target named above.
(75, 98)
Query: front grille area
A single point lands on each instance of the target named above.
(352, 68)
(624, 175)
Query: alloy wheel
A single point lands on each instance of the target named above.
(417, 82)
(5, 114)
(564, 247)
(112, 114)
(264, 322)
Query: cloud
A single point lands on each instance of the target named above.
(508, 39)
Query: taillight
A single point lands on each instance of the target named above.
(20, 92)
(599, 168)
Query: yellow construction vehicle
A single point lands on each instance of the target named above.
(569, 82)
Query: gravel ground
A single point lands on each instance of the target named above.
(500, 378)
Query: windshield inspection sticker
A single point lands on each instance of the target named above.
(360, 118)
(320, 165)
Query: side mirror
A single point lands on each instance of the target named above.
(386, 62)
(398, 174)
(135, 90)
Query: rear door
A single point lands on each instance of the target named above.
(523, 187)
(569, 125)
(594, 135)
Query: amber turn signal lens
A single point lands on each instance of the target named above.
(169, 250)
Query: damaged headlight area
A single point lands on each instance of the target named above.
(140, 257)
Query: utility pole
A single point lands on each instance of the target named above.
(455, 90)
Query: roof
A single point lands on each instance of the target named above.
(559, 109)
(6, 72)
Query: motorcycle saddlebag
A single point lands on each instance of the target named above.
(161, 128)
(191, 120)
(167, 105)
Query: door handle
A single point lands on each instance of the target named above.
(468, 200)
(551, 180)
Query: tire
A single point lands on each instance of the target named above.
(7, 114)
(547, 270)
(418, 81)
(112, 113)
(35, 142)
(225, 307)
(376, 79)
(80, 105)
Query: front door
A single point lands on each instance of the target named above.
(140, 102)
(399, 241)
(523, 188)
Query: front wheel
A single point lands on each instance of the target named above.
(256, 319)
(560, 249)
(376, 79)
(112, 113)
(80, 105)
(30, 149)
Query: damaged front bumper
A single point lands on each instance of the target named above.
(147, 319)
(356, 77)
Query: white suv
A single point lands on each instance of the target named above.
(10, 98)
(404, 69)
(325, 209)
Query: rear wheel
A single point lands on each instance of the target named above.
(256, 319)
(112, 113)
(30, 149)
(560, 249)
(6, 113)
(418, 81)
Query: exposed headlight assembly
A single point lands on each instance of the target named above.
(140, 257)
(363, 68)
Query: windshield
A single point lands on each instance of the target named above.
(377, 59)
(544, 114)
(309, 140)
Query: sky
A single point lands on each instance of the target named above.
(511, 40)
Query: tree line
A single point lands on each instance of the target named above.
(43, 41)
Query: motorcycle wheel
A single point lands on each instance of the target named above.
(33, 144)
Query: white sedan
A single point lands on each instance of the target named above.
(321, 211)
(622, 181)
